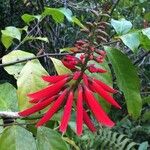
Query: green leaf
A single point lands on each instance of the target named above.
(147, 16)
(6, 40)
(145, 42)
(77, 21)
(48, 139)
(17, 138)
(121, 26)
(27, 18)
(146, 32)
(8, 98)
(146, 100)
(56, 14)
(67, 13)
(131, 40)
(30, 81)
(15, 56)
(60, 68)
(30, 38)
(12, 32)
(127, 80)
(143, 146)
(146, 116)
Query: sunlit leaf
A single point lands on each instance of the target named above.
(30, 81)
(8, 97)
(27, 18)
(60, 68)
(121, 26)
(14, 56)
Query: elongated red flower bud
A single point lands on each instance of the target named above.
(93, 69)
(85, 79)
(48, 91)
(71, 58)
(105, 95)
(79, 116)
(69, 65)
(105, 86)
(88, 121)
(54, 79)
(37, 107)
(99, 70)
(53, 109)
(76, 75)
(97, 110)
(67, 113)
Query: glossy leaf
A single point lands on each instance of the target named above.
(131, 40)
(127, 80)
(8, 98)
(60, 68)
(146, 32)
(17, 138)
(56, 14)
(30, 81)
(6, 40)
(27, 18)
(15, 56)
(121, 26)
(12, 32)
(48, 139)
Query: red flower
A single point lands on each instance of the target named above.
(61, 92)
(67, 113)
(54, 79)
(97, 110)
(53, 109)
(48, 91)
(79, 114)
(93, 69)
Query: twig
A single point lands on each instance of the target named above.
(35, 57)
(13, 115)
(141, 58)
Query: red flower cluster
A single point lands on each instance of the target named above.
(61, 92)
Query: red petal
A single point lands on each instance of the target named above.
(37, 107)
(79, 117)
(101, 70)
(68, 65)
(54, 79)
(97, 110)
(105, 87)
(85, 79)
(76, 75)
(53, 109)
(88, 121)
(67, 113)
(105, 95)
(47, 92)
